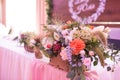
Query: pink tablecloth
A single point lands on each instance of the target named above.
(14, 66)
(43, 71)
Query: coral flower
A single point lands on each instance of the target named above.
(77, 45)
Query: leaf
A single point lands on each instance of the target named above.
(111, 58)
(116, 52)
(10, 31)
(71, 74)
(108, 68)
(15, 38)
(45, 53)
(80, 69)
(95, 63)
(106, 55)
(82, 76)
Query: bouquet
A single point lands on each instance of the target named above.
(78, 44)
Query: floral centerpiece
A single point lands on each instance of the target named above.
(79, 45)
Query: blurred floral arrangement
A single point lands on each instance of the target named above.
(25, 37)
(80, 45)
(31, 43)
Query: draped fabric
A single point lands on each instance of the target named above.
(0, 10)
(14, 67)
(41, 15)
(3, 12)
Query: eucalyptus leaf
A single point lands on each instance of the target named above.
(106, 55)
(77, 77)
(111, 58)
(108, 68)
(71, 74)
(82, 76)
(45, 53)
(95, 63)
(80, 69)
(116, 52)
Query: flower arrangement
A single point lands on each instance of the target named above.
(79, 45)
(25, 37)
(31, 43)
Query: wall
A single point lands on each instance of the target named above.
(115, 33)
(110, 14)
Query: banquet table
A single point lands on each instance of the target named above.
(17, 64)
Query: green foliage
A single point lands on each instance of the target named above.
(76, 73)
(70, 74)
(113, 55)
(95, 62)
(49, 10)
(82, 76)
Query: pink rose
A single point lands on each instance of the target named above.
(87, 61)
(91, 53)
(63, 55)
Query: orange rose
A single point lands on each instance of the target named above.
(77, 45)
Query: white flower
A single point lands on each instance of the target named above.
(101, 33)
(65, 33)
(46, 41)
(98, 28)
(102, 29)
(82, 52)
(69, 38)
(75, 33)
(107, 30)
